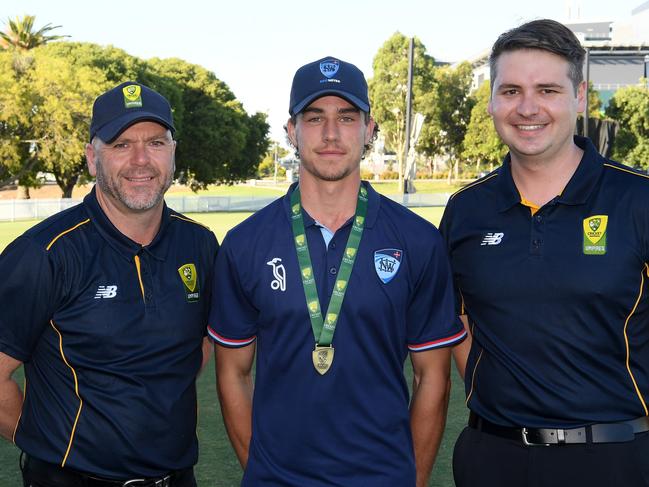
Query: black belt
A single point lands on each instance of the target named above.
(39, 469)
(595, 433)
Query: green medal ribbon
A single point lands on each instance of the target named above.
(324, 328)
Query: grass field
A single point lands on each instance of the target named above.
(217, 466)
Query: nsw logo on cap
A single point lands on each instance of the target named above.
(132, 96)
(329, 67)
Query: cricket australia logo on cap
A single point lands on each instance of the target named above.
(132, 96)
(387, 263)
(189, 277)
(329, 68)
(595, 234)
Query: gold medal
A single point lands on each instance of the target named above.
(323, 357)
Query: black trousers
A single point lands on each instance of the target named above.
(37, 473)
(484, 460)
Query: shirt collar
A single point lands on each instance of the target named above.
(373, 204)
(577, 190)
(124, 246)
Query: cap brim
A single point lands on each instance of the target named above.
(110, 131)
(354, 100)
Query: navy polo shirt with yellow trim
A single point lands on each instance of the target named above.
(110, 335)
(558, 300)
(349, 426)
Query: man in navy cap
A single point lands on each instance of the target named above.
(105, 305)
(332, 287)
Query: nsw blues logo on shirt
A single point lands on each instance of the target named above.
(386, 263)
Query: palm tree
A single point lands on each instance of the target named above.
(20, 34)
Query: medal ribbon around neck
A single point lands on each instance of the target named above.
(324, 328)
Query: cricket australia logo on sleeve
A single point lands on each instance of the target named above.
(386, 263)
(595, 234)
(132, 96)
(189, 277)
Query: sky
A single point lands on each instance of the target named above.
(255, 47)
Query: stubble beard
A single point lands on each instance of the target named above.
(136, 202)
(339, 175)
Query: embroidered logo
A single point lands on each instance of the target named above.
(132, 96)
(595, 234)
(189, 277)
(279, 274)
(106, 292)
(330, 67)
(387, 263)
(492, 238)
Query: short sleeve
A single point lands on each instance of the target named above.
(445, 229)
(233, 319)
(28, 296)
(432, 321)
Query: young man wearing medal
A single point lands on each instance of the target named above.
(332, 286)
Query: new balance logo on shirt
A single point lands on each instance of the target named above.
(492, 238)
(106, 292)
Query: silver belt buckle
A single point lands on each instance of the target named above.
(527, 443)
(132, 482)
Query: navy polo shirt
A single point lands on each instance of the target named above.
(558, 301)
(110, 335)
(349, 426)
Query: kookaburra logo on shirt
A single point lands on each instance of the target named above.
(106, 292)
(279, 274)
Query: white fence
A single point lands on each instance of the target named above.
(12, 210)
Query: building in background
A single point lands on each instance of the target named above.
(618, 49)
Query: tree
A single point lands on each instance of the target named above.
(18, 38)
(66, 77)
(482, 143)
(20, 34)
(630, 107)
(217, 141)
(65, 93)
(16, 104)
(448, 111)
(267, 166)
(388, 88)
(594, 102)
(46, 109)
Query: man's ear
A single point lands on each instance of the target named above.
(91, 159)
(290, 132)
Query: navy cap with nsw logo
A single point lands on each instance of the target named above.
(328, 76)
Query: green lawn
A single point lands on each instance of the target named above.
(217, 466)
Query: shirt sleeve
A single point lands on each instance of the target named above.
(432, 321)
(28, 296)
(445, 228)
(232, 319)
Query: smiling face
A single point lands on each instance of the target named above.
(534, 106)
(134, 171)
(330, 135)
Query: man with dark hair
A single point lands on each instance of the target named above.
(106, 306)
(319, 418)
(550, 258)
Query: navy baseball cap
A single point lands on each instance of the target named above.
(126, 104)
(328, 76)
